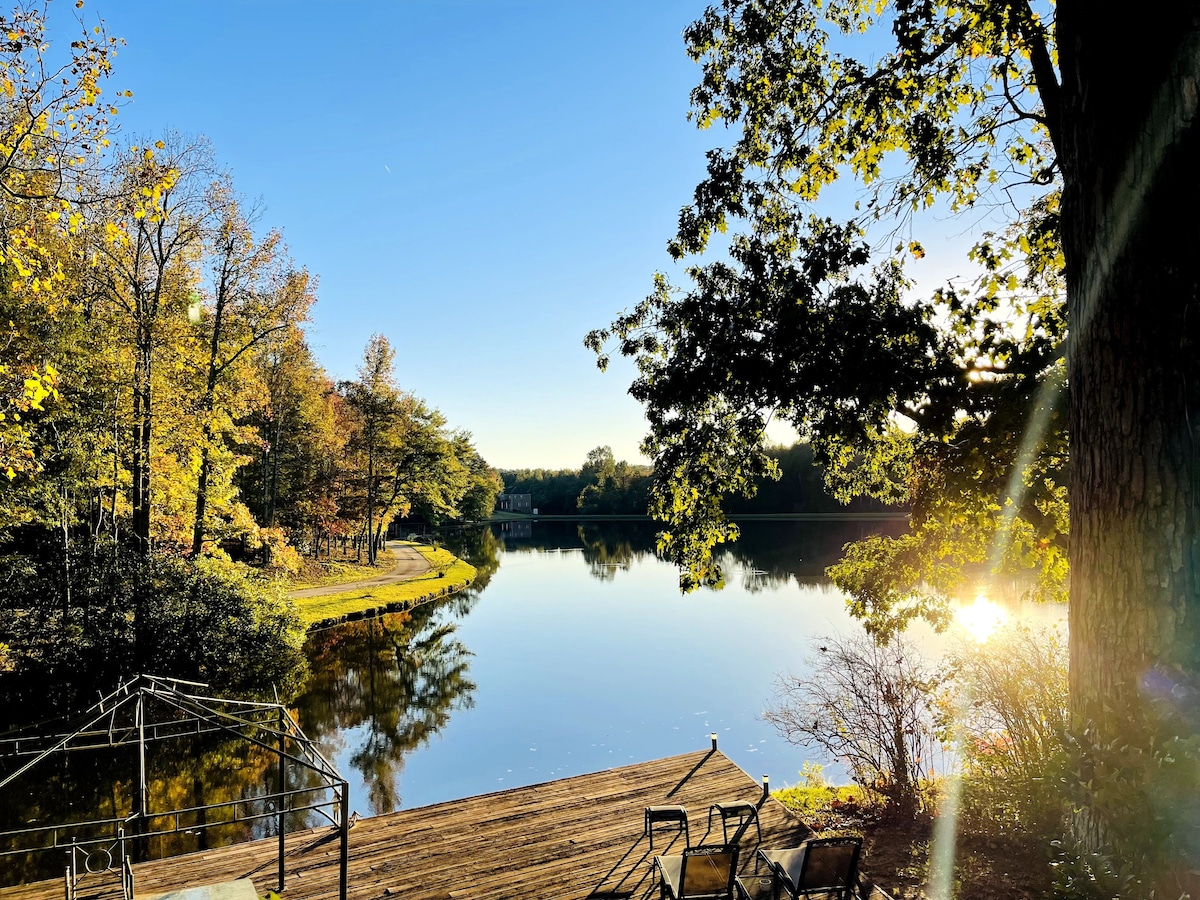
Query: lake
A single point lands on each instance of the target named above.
(572, 652)
(576, 652)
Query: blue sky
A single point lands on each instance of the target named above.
(482, 182)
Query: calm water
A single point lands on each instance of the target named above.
(573, 652)
(577, 653)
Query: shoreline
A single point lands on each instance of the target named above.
(405, 587)
(374, 612)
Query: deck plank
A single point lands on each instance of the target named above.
(571, 839)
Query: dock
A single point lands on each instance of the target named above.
(577, 838)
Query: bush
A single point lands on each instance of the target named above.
(819, 803)
(114, 614)
(1006, 708)
(1139, 792)
(872, 706)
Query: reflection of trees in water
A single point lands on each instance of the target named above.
(608, 549)
(768, 554)
(182, 773)
(401, 676)
(752, 579)
(481, 548)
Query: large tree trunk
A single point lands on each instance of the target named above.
(142, 430)
(1131, 229)
(201, 513)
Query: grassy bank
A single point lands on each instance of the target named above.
(448, 575)
(340, 568)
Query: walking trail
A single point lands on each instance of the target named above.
(409, 564)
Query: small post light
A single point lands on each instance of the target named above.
(714, 739)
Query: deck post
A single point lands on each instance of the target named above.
(282, 800)
(713, 736)
(141, 846)
(342, 887)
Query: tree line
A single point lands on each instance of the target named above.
(604, 485)
(164, 423)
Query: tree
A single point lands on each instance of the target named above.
(992, 102)
(53, 126)
(146, 246)
(599, 465)
(378, 406)
(479, 498)
(429, 474)
(256, 294)
(293, 477)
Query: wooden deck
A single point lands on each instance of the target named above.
(574, 839)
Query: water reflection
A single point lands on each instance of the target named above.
(608, 550)
(768, 555)
(481, 548)
(182, 774)
(382, 688)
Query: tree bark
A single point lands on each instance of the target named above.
(206, 410)
(142, 428)
(1131, 235)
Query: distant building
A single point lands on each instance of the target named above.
(520, 503)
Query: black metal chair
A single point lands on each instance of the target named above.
(818, 866)
(744, 812)
(673, 815)
(699, 873)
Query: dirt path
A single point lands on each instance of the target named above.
(409, 564)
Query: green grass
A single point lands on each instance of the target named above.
(457, 574)
(811, 801)
(322, 573)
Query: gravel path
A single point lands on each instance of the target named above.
(409, 564)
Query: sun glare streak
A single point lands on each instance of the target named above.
(945, 838)
(1049, 395)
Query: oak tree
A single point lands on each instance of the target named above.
(1082, 125)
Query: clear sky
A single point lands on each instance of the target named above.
(483, 182)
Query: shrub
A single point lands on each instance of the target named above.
(871, 705)
(818, 803)
(1139, 792)
(118, 614)
(1006, 708)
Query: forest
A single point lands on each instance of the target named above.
(169, 443)
(604, 485)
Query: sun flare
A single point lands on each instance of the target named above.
(981, 618)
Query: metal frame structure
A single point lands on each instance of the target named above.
(148, 709)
